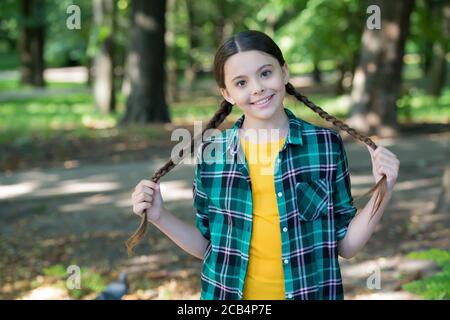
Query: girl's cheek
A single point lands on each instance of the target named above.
(275, 83)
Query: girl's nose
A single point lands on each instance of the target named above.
(257, 89)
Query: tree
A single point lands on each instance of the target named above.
(146, 58)
(31, 42)
(430, 35)
(315, 30)
(190, 72)
(376, 84)
(103, 64)
(438, 67)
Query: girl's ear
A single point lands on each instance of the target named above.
(226, 95)
(285, 73)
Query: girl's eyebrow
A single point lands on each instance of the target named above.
(263, 66)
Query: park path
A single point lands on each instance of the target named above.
(82, 216)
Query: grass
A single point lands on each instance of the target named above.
(417, 106)
(90, 282)
(46, 115)
(437, 286)
(8, 85)
(75, 115)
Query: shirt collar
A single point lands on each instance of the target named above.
(294, 135)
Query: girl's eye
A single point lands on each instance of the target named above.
(240, 83)
(265, 73)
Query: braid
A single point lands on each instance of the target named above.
(224, 110)
(381, 185)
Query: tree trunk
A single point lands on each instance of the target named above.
(443, 202)
(146, 102)
(189, 71)
(173, 94)
(340, 69)
(31, 43)
(376, 85)
(220, 23)
(438, 68)
(317, 74)
(104, 93)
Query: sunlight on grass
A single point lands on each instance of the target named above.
(91, 282)
(76, 115)
(8, 85)
(417, 106)
(437, 286)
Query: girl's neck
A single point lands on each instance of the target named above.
(265, 129)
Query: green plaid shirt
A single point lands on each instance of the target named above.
(314, 201)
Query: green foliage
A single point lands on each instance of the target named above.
(9, 20)
(90, 282)
(438, 285)
(426, 25)
(415, 105)
(56, 270)
(65, 46)
(324, 29)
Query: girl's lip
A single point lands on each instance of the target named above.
(265, 104)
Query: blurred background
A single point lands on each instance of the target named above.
(91, 91)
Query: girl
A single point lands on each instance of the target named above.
(269, 229)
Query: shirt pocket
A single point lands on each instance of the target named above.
(313, 198)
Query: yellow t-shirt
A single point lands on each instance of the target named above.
(265, 278)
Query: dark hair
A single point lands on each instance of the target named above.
(246, 41)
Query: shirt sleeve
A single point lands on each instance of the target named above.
(344, 211)
(200, 202)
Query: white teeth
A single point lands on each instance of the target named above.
(263, 101)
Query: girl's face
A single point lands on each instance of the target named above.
(255, 82)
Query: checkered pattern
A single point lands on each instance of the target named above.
(315, 205)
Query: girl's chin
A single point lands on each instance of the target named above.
(263, 114)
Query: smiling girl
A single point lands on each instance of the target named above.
(272, 220)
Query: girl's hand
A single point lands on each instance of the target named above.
(147, 196)
(384, 162)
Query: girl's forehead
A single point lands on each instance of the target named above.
(247, 62)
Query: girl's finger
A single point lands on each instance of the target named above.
(150, 184)
(387, 156)
(140, 196)
(144, 197)
(389, 172)
(379, 150)
(387, 162)
(147, 190)
(140, 207)
(387, 153)
(371, 151)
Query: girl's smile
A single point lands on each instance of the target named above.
(264, 102)
(255, 82)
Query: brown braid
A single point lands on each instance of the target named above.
(216, 120)
(380, 186)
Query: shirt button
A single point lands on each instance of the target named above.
(280, 194)
(284, 229)
(286, 261)
(289, 296)
(278, 160)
